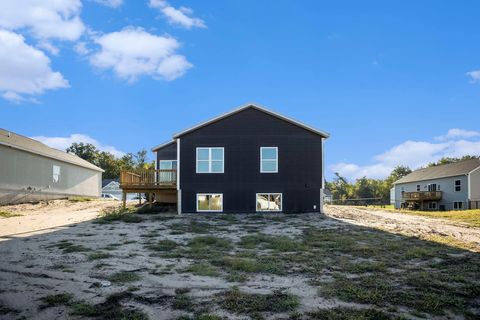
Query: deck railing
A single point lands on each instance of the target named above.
(422, 196)
(147, 178)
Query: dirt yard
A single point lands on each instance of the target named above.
(349, 264)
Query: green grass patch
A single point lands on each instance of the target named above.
(276, 243)
(162, 245)
(182, 301)
(79, 199)
(54, 300)
(202, 269)
(245, 303)
(7, 214)
(98, 255)
(349, 314)
(210, 243)
(124, 277)
(69, 247)
(118, 214)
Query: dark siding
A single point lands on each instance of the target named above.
(242, 134)
(168, 152)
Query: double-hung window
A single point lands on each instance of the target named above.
(458, 185)
(56, 174)
(458, 205)
(210, 160)
(268, 159)
(269, 202)
(209, 202)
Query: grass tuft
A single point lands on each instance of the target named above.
(124, 277)
(7, 214)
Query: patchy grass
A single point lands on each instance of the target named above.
(210, 243)
(110, 309)
(124, 277)
(202, 269)
(277, 243)
(470, 217)
(69, 247)
(111, 215)
(162, 245)
(79, 199)
(98, 255)
(54, 300)
(244, 303)
(7, 214)
(182, 301)
(349, 314)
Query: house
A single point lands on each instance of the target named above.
(454, 186)
(112, 186)
(32, 171)
(327, 196)
(248, 160)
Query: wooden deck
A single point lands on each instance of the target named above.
(148, 180)
(423, 196)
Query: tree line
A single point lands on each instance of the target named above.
(365, 188)
(108, 162)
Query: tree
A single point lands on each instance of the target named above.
(141, 159)
(86, 151)
(109, 163)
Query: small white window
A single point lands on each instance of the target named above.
(418, 187)
(210, 160)
(458, 185)
(268, 159)
(458, 205)
(56, 174)
(432, 205)
(432, 187)
(209, 202)
(269, 202)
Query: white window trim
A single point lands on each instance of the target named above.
(455, 185)
(209, 194)
(269, 193)
(261, 160)
(160, 162)
(418, 188)
(457, 202)
(209, 160)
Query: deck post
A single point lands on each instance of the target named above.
(150, 200)
(124, 199)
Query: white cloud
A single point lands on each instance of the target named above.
(475, 75)
(458, 134)
(110, 3)
(62, 143)
(81, 48)
(46, 45)
(45, 19)
(413, 154)
(24, 70)
(133, 52)
(181, 16)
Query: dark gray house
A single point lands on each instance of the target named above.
(454, 186)
(248, 160)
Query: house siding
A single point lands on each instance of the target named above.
(475, 185)
(299, 176)
(167, 153)
(447, 186)
(26, 176)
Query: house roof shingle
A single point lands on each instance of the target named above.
(20, 142)
(442, 171)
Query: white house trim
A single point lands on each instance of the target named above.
(160, 146)
(179, 191)
(261, 160)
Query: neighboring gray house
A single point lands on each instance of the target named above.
(112, 186)
(454, 186)
(32, 171)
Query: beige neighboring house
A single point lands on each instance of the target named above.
(32, 171)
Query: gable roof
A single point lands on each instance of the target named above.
(13, 140)
(106, 182)
(162, 145)
(442, 171)
(257, 107)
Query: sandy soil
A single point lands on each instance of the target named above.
(43, 216)
(34, 266)
(405, 224)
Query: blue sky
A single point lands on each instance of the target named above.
(394, 83)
